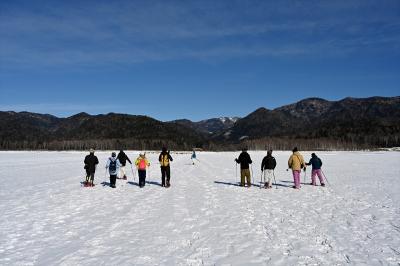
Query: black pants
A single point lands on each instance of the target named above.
(142, 177)
(165, 171)
(89, 176)
(113, 179)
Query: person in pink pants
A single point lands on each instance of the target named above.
(316, 170)
(296, 163)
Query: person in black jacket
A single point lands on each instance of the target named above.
(164, 160)
(122, 157)
(244, 160)
(267, 168)
(90, 166)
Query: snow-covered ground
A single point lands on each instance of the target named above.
(204, 218)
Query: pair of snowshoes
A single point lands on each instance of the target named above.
(322, 184)
(88, 184)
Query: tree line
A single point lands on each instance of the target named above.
(275, 143)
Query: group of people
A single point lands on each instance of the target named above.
(116, 167)
(296, 163)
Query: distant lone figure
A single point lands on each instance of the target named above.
(165, 159)
(91, 162)
(296, 163)
(244, 160)
(193, 156)
(316, 169)
(267, 167)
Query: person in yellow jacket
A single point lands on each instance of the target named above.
(296, 163)
(141, 164)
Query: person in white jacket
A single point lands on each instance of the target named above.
(113, 166)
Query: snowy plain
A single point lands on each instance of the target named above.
(204, 218)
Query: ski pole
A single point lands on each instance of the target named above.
(105, 177)
(273, 173)
(133, 173)
(251, 175)
(261, 177)
(326, 178)
(236, 174)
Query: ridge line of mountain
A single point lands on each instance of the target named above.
(318, 123)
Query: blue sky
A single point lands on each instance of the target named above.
(194, 59)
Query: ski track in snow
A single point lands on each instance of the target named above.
(204, 218)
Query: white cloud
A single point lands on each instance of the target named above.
(131, 32)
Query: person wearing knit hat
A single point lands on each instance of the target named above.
(296, 163)
(113, 166)
(267, 168)
(91, 161)
(142, 164)
(316, 163)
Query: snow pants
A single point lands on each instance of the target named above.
(316, 172)
(89, 176)
(245, 174)
(296, 177)
(268, 175)
(113, 180)
(165, 172)
(142, 177)
(122, 172)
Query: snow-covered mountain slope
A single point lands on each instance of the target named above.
(204, 218)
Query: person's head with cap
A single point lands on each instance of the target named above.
(113, 154)
(269, 152)
(244, 149)
(313, 155)
(91, 151)
(164, 149)
(295, 149)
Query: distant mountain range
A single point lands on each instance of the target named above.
(312, 123)
(209, 126)
(351, 122)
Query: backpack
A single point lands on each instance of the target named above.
(164, 160)
(113, 166)
(142, 164)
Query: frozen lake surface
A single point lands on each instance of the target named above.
(204, 218)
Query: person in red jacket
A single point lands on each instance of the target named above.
(142, 164)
